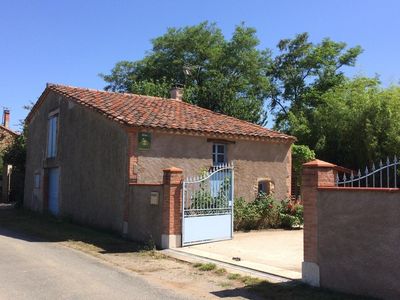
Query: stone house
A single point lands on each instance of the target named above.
(88, 150)
(7, 136)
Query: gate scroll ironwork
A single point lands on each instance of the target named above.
(208, 206)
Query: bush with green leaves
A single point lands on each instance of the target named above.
(261, 213)
(291, 214)
(266, 212)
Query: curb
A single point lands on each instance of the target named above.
(192, 258)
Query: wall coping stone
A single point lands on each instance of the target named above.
(173, 170)
(358, 189)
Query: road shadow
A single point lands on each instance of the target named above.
(22, 224)
(286, 290)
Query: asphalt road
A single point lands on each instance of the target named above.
(39, 270)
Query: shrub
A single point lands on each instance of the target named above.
(266, 212)
(291, 214)
(261, 213)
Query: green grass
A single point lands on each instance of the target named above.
(208, 267)
(248, 280)
(205, 267)
(197, 265)
(234, 276)
(220, 271)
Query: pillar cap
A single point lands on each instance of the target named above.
(317, 163)
(173, 170)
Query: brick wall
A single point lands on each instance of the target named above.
(161, 222)
(315, 174)
(359, 240)
(172, 203)
(351, 235)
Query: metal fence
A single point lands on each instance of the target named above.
(380, 176)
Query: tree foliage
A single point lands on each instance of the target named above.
(300, 155)
(226, 76)
(301, 73)
(357, 123)
(346, 121)
(15, 153)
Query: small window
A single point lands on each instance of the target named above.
(144, 140)
(37, 181)
(52, 136)
(265, 186)
(219, 154)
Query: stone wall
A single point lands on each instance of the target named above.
(145, 217)
(253, 161)
(92, 158)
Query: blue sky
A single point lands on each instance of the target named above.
(72, 41)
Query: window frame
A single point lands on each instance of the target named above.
(216, 154)
(52, 134)
(37, 180)
(265, 186)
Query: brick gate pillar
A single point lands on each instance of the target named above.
(316, 173)
(171, 236)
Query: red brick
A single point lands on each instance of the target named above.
(172, 202)
(313, 176)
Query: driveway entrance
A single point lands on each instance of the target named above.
(276, 251)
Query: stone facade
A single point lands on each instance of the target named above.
(6, 138)
(92, 158)
(253, 161)
(103, 171)
(10, 179)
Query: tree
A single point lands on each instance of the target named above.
(357, 123)
(300, 74)
(226, 76)
(300, 155)
(15, 153)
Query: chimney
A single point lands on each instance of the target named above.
(177, 93)
(6, 118)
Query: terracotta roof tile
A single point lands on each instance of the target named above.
(161, 113)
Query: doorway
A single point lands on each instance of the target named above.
(53, 190)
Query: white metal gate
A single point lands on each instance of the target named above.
(208, 206)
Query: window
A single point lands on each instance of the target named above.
(52, 136)
(37, 180)
(144, 140)
(265, 186)
(219, 154)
